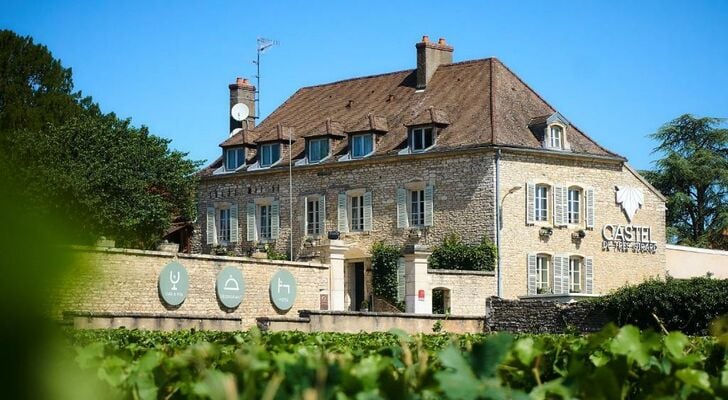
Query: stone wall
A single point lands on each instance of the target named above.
(118, 281)
(463, 197)
(468, 289)
(537, 316)
(612, 269)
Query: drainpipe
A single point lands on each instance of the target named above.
(498, 223)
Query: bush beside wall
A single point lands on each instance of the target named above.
(453, 253)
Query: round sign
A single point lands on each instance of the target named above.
(230, 287)
(283, 290)
(173, 283)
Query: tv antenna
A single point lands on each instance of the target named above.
(263, 45)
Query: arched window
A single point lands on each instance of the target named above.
(575, 204)
(557, 137)
(543, 273)
(576, 274)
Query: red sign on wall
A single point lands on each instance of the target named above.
(421, 295)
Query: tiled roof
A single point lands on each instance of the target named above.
(478, 103)
(370, 123)
(279, 133)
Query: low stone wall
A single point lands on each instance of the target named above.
(158, 322)
(542, 316)
(355, 322)
(122, 285)
(469, 290)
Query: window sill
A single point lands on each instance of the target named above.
(559, 298)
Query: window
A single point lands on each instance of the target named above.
(421, 139)
(234, 158)
(313, 224)
(265, 221)
(318, 149)
(361, 145)
(557, 136)
(574, 205)
(542, 273)
(541, 204)
(417, 208)
(575, 274)
(269, 154)
(356, 211)
(223, 232)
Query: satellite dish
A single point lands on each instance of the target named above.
(239, 112)
(235, 131)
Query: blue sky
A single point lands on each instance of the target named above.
(616, 69)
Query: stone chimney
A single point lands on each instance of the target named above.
(242, 91)
(430, 56)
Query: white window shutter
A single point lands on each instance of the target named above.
(305, 216)
(322, 214)
(531, 281)
(530, 203)
(211, 232)
(429, 206)
(250, 221)
(342, 225)
(234, 236)
(275, 219)
(589, 275)
(401, 279)
(559, 206)
(368, 211)
(565, 277)
(401, 208)
(558, 273)
(590, 208)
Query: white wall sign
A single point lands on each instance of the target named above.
(628, 237)
(631, 199)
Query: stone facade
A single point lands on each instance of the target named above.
(536, 316)
(612, 269)
(119, 282)
(468, 290)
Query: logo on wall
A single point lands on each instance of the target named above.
(230, 287)
(283, 290)
(631, 199)
(173, 283)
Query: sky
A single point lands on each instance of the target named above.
(616, 69)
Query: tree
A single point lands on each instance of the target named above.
(105, 176)
(693, 175)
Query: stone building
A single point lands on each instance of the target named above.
(408, 157)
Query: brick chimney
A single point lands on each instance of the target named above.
(242, 91)
(430, 56)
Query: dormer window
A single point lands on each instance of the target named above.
(318, 149)
(362, 145)
(421, 139)
(557, 136)
(269, 154)
(234, 158)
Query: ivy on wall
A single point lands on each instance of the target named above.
(384, 268)
(453, 253)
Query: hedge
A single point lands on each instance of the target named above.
(454, 254)
(689, 305)
(384, 272)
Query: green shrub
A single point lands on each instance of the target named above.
(384, 272)
(454, 254)
(688, 305)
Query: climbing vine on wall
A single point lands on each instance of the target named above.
(384, 268)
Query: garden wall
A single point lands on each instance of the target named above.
(109, 282)
(469, 290)
(540, 316)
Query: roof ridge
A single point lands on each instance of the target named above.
(553, 109)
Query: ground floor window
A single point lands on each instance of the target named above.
(575, 274)
(543, 262)
(313, 224)
(264, 229)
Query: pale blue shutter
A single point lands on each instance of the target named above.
(210, 228)
(531, 280)
(589, 208)
(367, 211)
(275, 219)
(401, 208)
(342, 224)
(429, 207)
(530, 203)
(234, 223)
(560, 198)
(322, 214)
(401, 279)
(589, 275)
(250, 221)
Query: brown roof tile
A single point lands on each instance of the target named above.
(279, 133)
(482, 100)
(370, 123)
